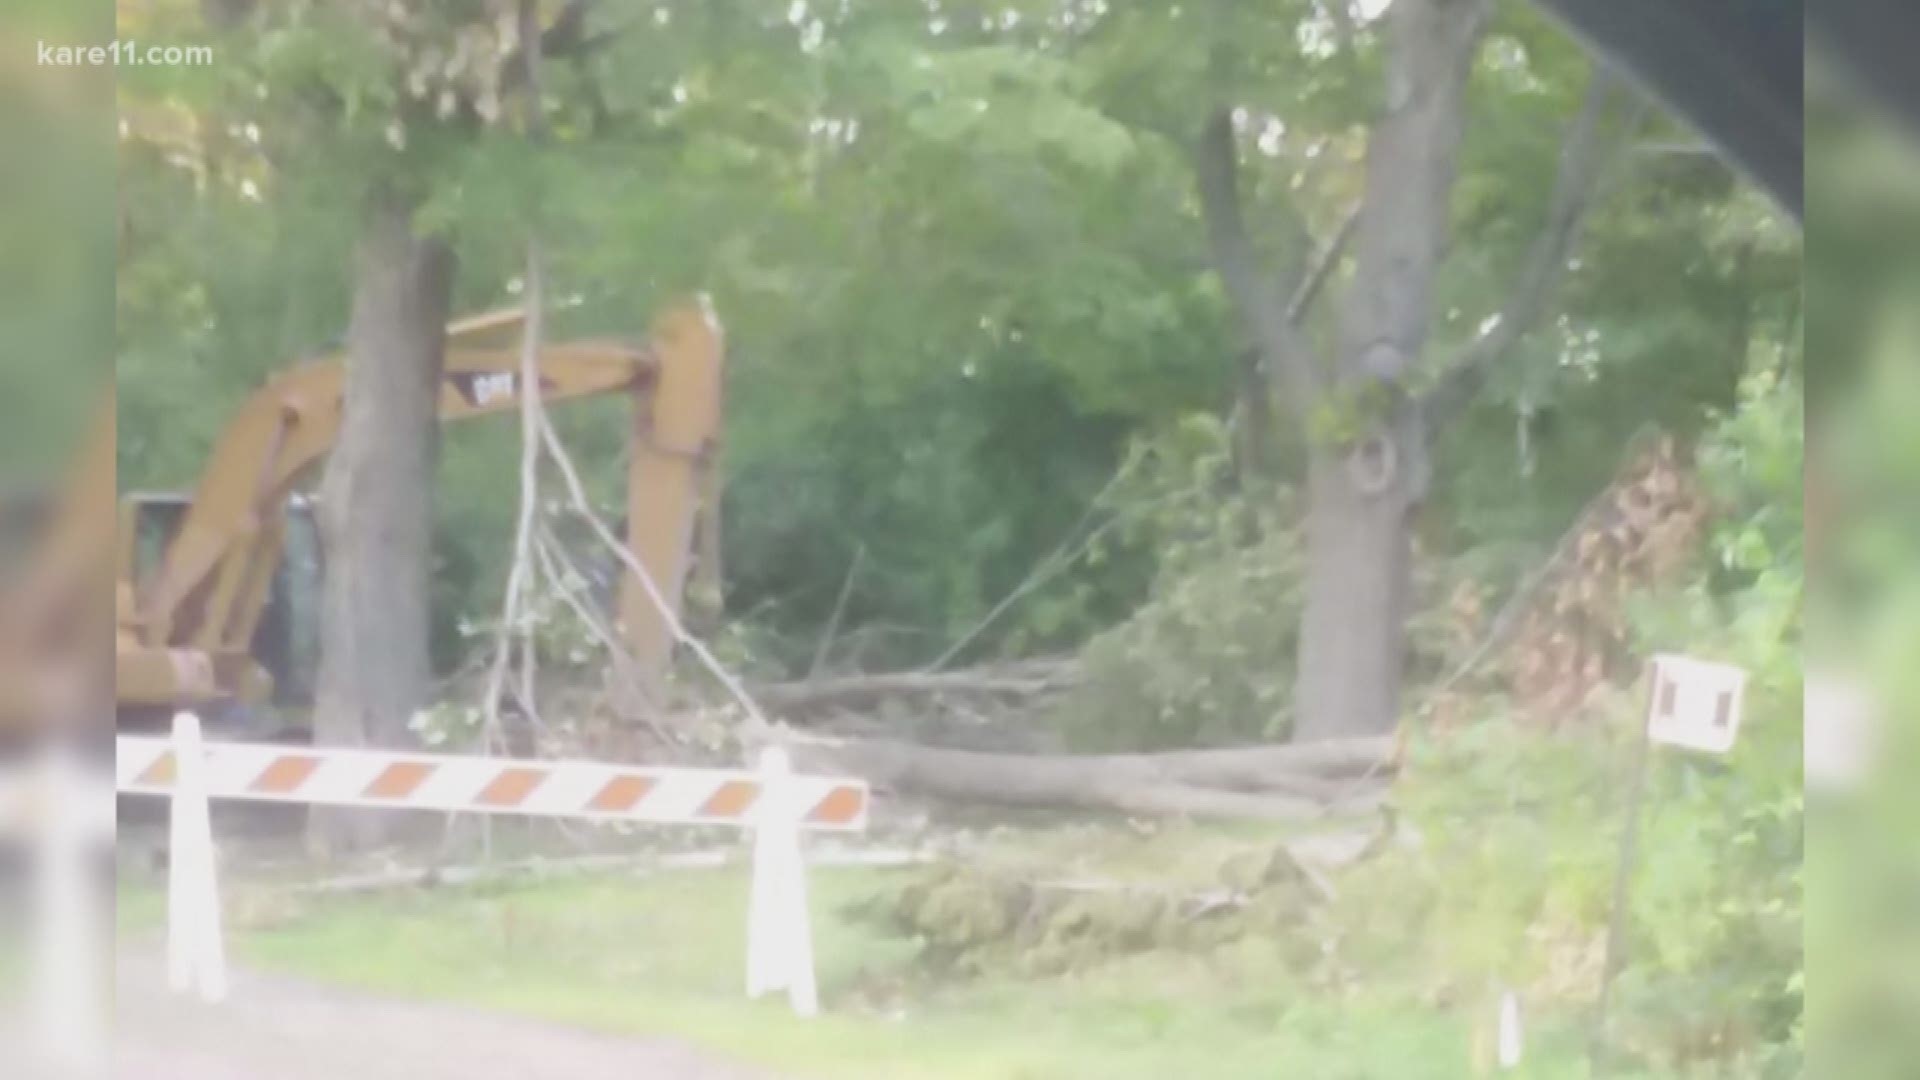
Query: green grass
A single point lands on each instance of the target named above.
(140, 908)
(664, 956)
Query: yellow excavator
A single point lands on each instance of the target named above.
(192, 577)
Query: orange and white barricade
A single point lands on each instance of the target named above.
(776, 804)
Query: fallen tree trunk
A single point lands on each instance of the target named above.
(853, 691)
(1254, 767)
(1287, 783)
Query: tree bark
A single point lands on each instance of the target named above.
(376, 501)
(1359, 579)
(1283, 783)
(1363, 490)
(862, 691)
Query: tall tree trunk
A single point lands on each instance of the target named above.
(1352, 637)
(376, 500)
(1363, 491)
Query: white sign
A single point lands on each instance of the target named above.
(1695, 703)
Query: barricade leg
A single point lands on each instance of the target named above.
(779, 931)
(196, 952)
(69, 998)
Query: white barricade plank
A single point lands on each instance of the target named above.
(397, 780)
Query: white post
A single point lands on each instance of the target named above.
(1510, 1038)
(779, 932)
(196, 953)
(69, 999)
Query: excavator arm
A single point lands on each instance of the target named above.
(211, 586)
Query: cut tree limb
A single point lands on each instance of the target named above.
(756, 720)
(1011, 680)
(515, 630)
(1276, 783)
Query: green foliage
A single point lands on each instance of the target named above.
(1208, 658)
(960, 264)
(1513, 881)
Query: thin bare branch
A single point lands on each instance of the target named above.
(515, 623)
(577, 495)
(1316, 276)
(832, 631)
(561, 574)
(515, 626)
(1590, 146)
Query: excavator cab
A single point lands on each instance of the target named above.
(285, 640)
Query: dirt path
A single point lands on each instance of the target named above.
(281, 1029)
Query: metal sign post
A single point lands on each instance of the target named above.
(1692, 704)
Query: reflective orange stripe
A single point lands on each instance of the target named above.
(731, 800)
(398, 780)
(160, 773)
(841, 806)
(510, 787)
(285, 775)
(620, 794)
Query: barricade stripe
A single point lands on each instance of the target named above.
(620, 794)
(841, 806)
(566, 791)
(159, 771)
(676, 797)
(731, 800)
(342, 779)
(284, 774)
(511, 787)
(398, 780)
